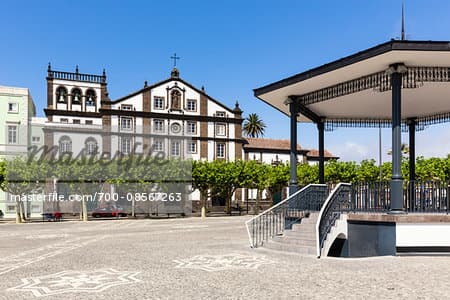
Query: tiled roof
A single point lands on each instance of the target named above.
(315, 153)
(282, 145)
(261, 143)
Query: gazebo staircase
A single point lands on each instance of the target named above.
(300, 239)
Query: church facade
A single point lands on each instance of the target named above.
(171, 116)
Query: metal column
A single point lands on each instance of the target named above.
(397, 180)
(293, 182)
(412, 162)
(321, 128)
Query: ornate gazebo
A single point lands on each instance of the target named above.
(400, 84)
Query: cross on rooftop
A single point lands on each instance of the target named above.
(175, 57)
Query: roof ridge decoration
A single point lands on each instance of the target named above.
(380, 82)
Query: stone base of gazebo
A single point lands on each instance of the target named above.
(370, 234)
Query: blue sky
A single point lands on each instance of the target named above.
(230, 47)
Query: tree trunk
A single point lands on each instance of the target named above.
(203, 199)
(18, 218)
(85, 216)
(22, 211)
(258, 197)
(81, 210)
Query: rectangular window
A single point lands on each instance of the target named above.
(36, 139)
(158, 125)
(220, 129)
(126, 107)
(220, 114)
(220, 150)
(64, 120)
(11, 208)
(126, 145)
(158, 145)
(175, 148)
(12, 134)
(126, 123)
(76, 121)
(158, 102)
(191, 127)
(13, 107)
(88, 122)
(191, 105)
(192, 147)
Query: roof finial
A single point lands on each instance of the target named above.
(174, 57)
(76, 69)
(403, 20)
(145, 83)
(49, 68)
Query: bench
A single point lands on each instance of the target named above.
(56, 216)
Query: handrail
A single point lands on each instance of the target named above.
(276, 219)
(338, 200)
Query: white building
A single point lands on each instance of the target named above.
(171, 116)
(20, 130)
(275, 151)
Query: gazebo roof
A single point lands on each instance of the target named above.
(356, 89)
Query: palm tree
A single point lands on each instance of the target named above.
(404, 150)
(253, 126)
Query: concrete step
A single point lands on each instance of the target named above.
(295, 241)
(290, 248)
(308, 221)
(307, 235)
(303, 226)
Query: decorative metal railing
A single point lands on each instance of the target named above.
(338, 201)
(427, 197)
(78, 77)
(418, 197)
(281, 216)
(370, 197)
(374, 197)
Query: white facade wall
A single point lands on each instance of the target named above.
(168, 115)
(268, 158)
(422, 235)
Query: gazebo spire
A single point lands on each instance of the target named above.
(403, 20)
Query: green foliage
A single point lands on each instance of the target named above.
(2, 173)
(367, 170)
(432, 168)
(307, 174)
(341, 171)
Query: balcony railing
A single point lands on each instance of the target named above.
(78, 77)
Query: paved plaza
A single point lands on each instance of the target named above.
(193, 258)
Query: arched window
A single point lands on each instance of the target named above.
(76, 96)
(90, 98)
(91, 146)
(65, 144)
(61, 94)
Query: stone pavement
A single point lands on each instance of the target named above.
(193, 259)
